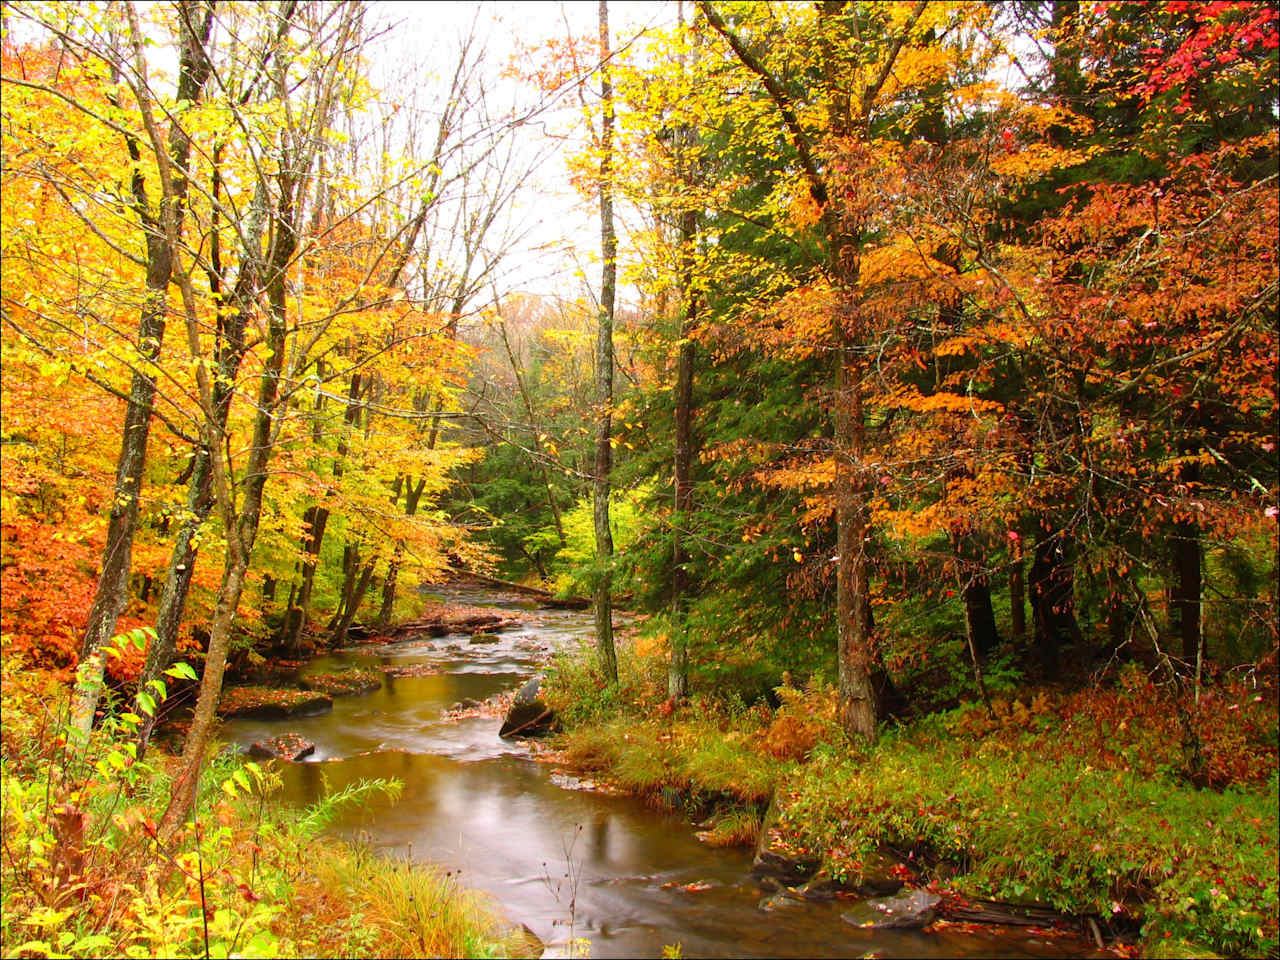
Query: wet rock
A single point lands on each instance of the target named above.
(882, 875)
(785, 900)
(341, 683)
(528, 715)
(289, 746)
(910, 910)
(267, 703)
(483, 638)
(466, 703)
(772, 857)
(821, 886)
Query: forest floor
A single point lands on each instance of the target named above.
(1075, 802)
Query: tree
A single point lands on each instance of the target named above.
(603, 594)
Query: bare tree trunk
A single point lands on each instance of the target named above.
(678, 670)
(1053, 598)
(112, 590)
(603, 599)
(1187, 579)
(1017, 593)
(848, 117)
(241, 537)
(314, 520)
(231, 326)
(856, 694)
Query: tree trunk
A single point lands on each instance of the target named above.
(857, 698)
(1017, 593)
(241, 536)
(603, 599)
(678, 671)
(314, 520)
(352, 599)
(980, 618)
(112, 589)
(231, 326)
(1053, 598)
(1187, 577)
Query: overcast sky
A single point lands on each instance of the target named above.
(563, 226)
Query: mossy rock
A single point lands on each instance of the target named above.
(343, 683)
(288, 746)
(271, 703)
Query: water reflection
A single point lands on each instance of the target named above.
(476, 804)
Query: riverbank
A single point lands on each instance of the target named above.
(83, 874)
(1068, 801)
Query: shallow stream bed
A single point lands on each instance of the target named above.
(567, 862)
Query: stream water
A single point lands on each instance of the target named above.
(566, 862)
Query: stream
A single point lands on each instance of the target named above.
(568, 863)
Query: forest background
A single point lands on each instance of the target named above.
(945, 371)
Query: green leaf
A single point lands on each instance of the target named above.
(181, 671)
(146, 703)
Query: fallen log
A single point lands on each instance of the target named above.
(1009, 914)
(544, 597)
(435, 625)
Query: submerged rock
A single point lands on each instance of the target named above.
(289, 746)
(528, 715)
(484, 638)
(780, 901)
(910, 910)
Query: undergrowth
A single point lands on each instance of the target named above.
(1081, 801)
(83, 872)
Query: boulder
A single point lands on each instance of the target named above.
(267, 703)
(289, 746)
(343, 683)
(528, 715)
(909, 910)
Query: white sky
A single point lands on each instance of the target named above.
(564, 227)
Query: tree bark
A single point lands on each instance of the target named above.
(245, 530)
(980, 617)
(1187, 577)
(1053, 598)
(603, 597)
(678, 672)
(231, 348)
(1017, 593)
(856, 656)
